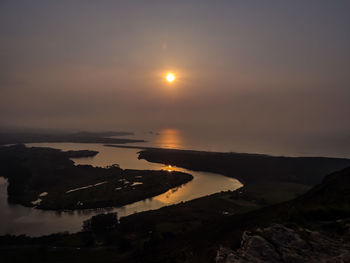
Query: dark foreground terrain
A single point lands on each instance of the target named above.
(225, 227)
(48, 179)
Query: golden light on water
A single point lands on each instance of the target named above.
(169, 138)
(170, 77)
(169, 168)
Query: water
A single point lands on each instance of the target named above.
(230, 140)
(17, 219)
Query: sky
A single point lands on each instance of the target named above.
(267, 67)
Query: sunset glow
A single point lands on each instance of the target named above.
(170, 77)
(172, 131)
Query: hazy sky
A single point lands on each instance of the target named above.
(265, 66)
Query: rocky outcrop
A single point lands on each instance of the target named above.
(279, 243)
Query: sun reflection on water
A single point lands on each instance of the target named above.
(170, 138)
(172, 196)
(169, 168)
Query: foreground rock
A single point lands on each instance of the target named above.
(279, 243)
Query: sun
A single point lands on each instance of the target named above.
(170, 77)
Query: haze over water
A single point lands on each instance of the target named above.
(249, 76)
(228, 140)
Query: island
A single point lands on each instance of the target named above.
(46, 178)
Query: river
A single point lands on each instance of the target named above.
(17, 219)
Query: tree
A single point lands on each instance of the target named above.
(101, 224)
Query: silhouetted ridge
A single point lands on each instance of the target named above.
(329, 199)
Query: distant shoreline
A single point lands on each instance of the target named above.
(246, 167)
(79, 137)
(217, 152)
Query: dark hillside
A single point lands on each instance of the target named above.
(250, 168)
